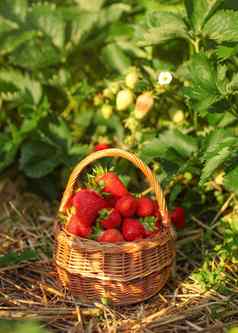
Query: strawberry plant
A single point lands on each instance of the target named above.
(178, 114)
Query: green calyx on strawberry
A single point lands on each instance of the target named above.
(96, 231)
(126, 205)
(88, 203)
(109, 218)
(145, 207)
(111, 236)
(132, 229)
(106, 182)
(151, 225)
(77, 227)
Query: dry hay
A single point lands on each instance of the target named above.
(29, 289)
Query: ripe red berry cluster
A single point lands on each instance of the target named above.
(112, 215)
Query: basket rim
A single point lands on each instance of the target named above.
(126, 246)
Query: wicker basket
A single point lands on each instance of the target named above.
(123, 273)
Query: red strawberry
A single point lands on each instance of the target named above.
(111, 183)
(145, 207)
(111, 236)
(111, 201)
(109, 218)
(127, 205)
(101, 146)
(132, 230)
(178, 217)
(88, 203)
(156, 206)
(76, 227)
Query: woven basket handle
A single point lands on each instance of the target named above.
(130, 157)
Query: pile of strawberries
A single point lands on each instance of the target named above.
(112, 214)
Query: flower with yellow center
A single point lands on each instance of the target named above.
(165, 78)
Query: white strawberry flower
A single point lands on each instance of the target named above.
(165, 78)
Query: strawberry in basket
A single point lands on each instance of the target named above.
(109, 213)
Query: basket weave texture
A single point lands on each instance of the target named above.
(121, 273)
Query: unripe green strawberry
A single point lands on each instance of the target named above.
(98, 99)
(178, 116)
(114, 87)
(219, 178)
(108, 93)
(144, 104)
(106, 111)
(124, 99)
(188, 176)
(132, 78)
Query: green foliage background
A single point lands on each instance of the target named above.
(56, 56)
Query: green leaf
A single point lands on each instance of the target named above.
(203, 92)
(174, 193)
(36, 54)
(8, 151)
(199, 10)
(61, 134)
(222, 80)
(9, 144)
(113, 56)
(16, 39)
(6, 26)
(48, 20)
(14, 80)
(160, 27)
(14, 258)
(174, 140)
(226, 52)
(79, 150)
(92, 5)
(226, 120)
(87, 23)
(217, 149)
(213, 163)
(39, 159)
(131, 48)
(113, 13)
(231, 180)
(14, 10)
(233, 84)
(82, 23)
(215, 140)
(222, 26)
